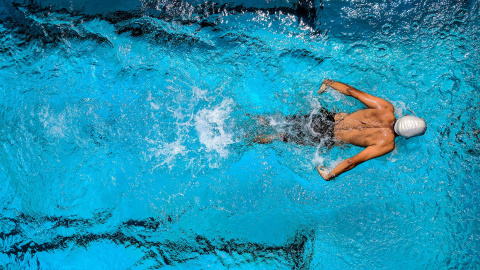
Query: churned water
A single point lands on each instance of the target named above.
(125, 135)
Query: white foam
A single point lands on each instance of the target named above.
(332, 95)
(315, 104)
(211, 127)
(153, 104)
(392, 157)
(168, 152)
(54, 124)
(317, 159)
(201, 94)
(399, 108)
(274, 121)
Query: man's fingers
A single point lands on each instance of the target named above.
(328, 81)
(322, 171)
(322, 89)
(325, 83)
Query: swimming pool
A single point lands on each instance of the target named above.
(125, 136)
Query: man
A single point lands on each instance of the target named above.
(374, 128)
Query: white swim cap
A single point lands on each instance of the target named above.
(410, 126)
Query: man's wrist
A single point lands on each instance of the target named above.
(328, 82)
(330, 176)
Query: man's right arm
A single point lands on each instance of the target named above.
(350, 163)
(370, 101)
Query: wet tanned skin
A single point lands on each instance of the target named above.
(366, 127)
(371, 128)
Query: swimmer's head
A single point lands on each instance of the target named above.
(410, 126)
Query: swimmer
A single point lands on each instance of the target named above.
(374, 128)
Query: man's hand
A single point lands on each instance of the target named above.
(326, 82)
(323, 172)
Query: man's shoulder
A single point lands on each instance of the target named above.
(383, 114)
(386, 109)
(386, 105)
(388, 144)
(387, 114)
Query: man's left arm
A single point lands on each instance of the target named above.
(370, 101)
(350, 163)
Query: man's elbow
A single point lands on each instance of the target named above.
(387, 148)
(350, 91)
(389, 107)
(351, 163)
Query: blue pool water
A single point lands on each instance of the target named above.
(125, 135)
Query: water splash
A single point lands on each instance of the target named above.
(126, 119)
(211, 125)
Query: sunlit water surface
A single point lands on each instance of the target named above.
(125, 138)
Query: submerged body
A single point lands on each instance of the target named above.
(373, 128)
(311, 129)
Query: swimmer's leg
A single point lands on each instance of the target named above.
(264, 139)
(261, 120)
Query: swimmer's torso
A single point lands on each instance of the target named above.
(365, 127)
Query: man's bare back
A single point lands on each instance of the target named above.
(373, 128)
(366, 127)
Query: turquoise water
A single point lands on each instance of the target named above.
(125, 141)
